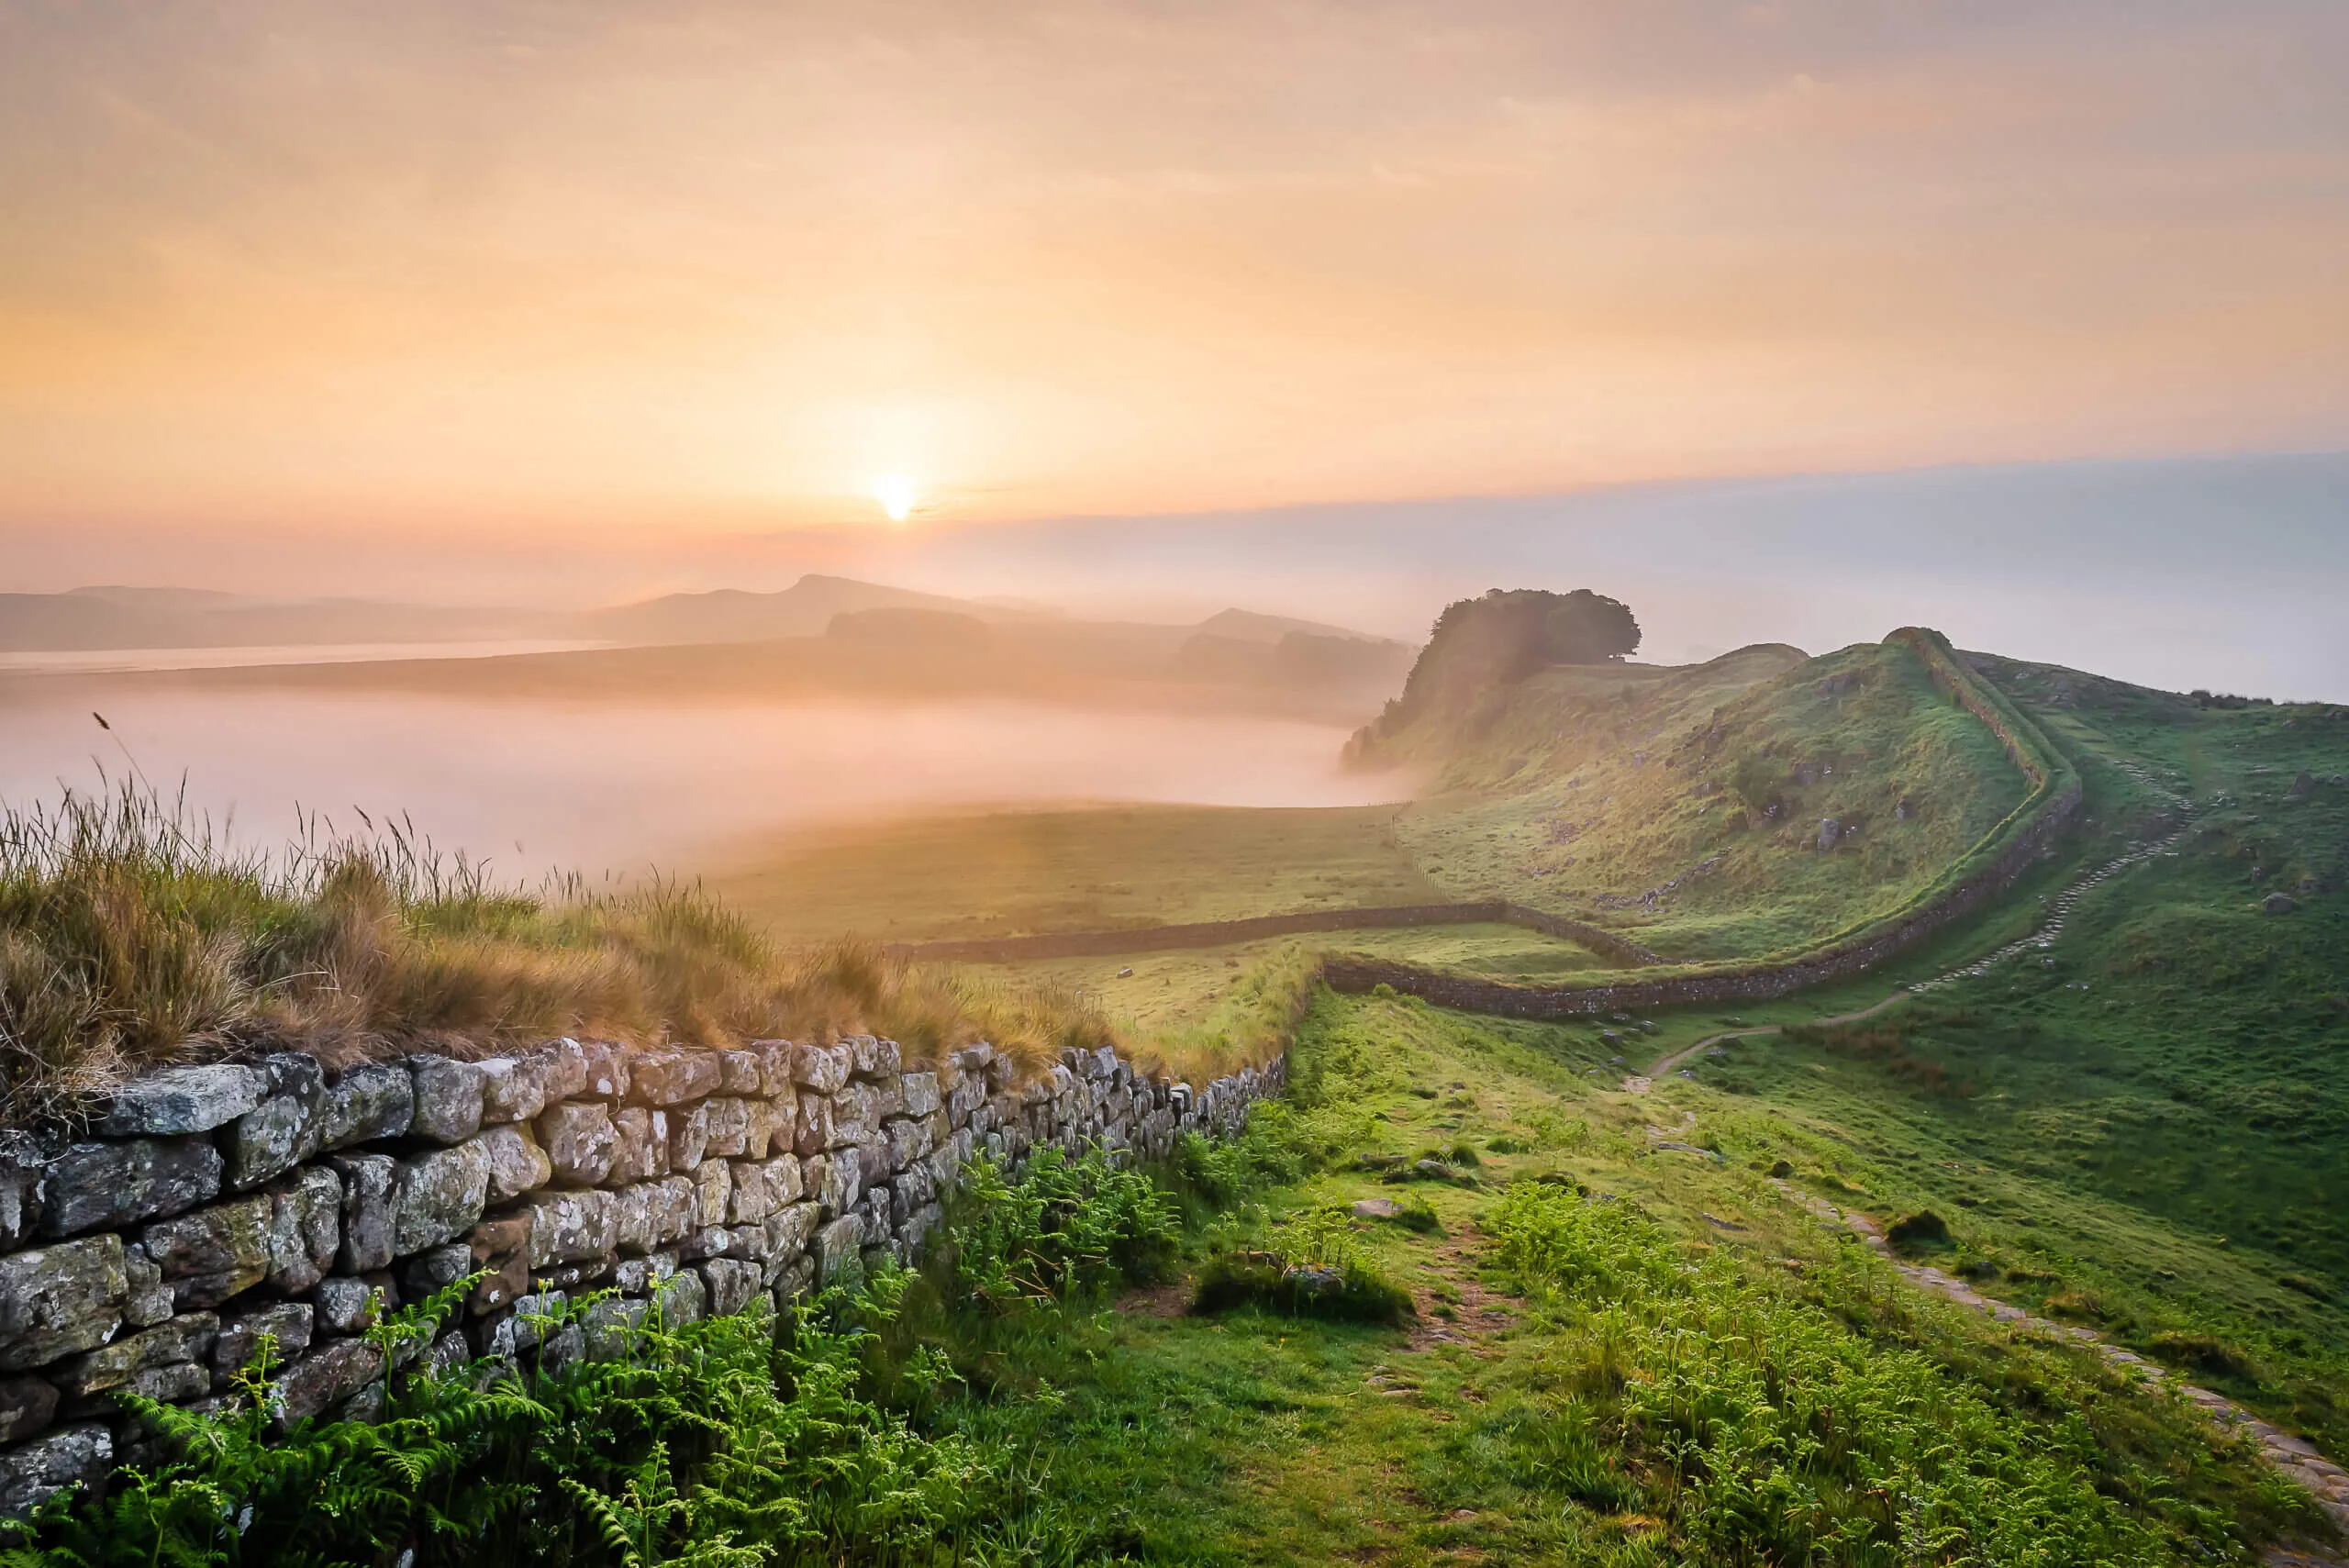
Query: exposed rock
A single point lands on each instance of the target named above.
(285, 1129)
(578, 1139)
(566, 1227)
(367, 1181)
(436, 1198)
(286, 1325)
(2278, 903)
(28, 1404)
(673, 1077)
(181, 1100)
(32, 1474)
(327, 1376)
(369, 1104)
(1830, 832)
(114, 1184)
(57, 1300)
(447, 1098)
(639, 1145)
(516, 1163)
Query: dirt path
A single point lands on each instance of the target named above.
(2296, 1457)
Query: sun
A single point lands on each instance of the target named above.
(895, 494)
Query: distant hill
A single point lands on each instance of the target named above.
(804, 609)
(194, 618)
(1250, 625)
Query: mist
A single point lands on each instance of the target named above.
(621, 788)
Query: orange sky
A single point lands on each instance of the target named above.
(591, 271)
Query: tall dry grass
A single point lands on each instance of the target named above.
(132, 936)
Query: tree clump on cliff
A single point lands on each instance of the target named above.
(1480, 645)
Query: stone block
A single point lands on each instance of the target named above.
(813, 1132)
(436, 1198)
(919, 1092)
(790, 1231)
(614, 1327)
(566, 1069)
(182, 1100)
(213, 1254)
(113, 1185)
(447, 1098)
(874, 1058)
(60, 1299)
(607, 1067)
(22, 1161)
(330, 1374)
(909, 1141)
(836, 1252)
(844, 1182)
(305, 1228)
(150, 1301)
(579, 1141)
(639, 1145)
(514, 1088)
(367, 1181)
(286, 1324)
(347, 1306)
(738, 1072)
(914, 1231)
(188, 1338)
(797, 1281)
(435, 1268)
(762, 1187)
(635, 1276)
(688, 1135)
(569, 1227)
(727, 1129)
(876, 1217)
(820, 1069)
(774, 1065)
(447, 1360)
(75, 1455)
(285, 1130)
(516, 1163)
(732, 1283)
(676, 1204)
(671, 1077)
(683, 1297)
(713, 1189)
(28, 1404)
(368, 1105)
(913, 1188)
(764, 1124)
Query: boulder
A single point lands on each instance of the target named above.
(287, 1128)
(368, 1105)
(367, 1217)
(2278, 903)
(673, 1077)
(327, 1376)
(517, 1164)
(579, 1141)
(447, 1098)
(80, 1454)
(182, 1100)
(436, 1198)
(113, 1185)
(60, 1299)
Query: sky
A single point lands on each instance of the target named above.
(540, 279)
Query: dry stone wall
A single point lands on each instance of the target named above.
(209, 1206)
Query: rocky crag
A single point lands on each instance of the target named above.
(210, 1206)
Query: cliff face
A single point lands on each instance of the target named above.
(212, 1205)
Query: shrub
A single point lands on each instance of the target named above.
(1064, 1227)
(1921, 1231)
